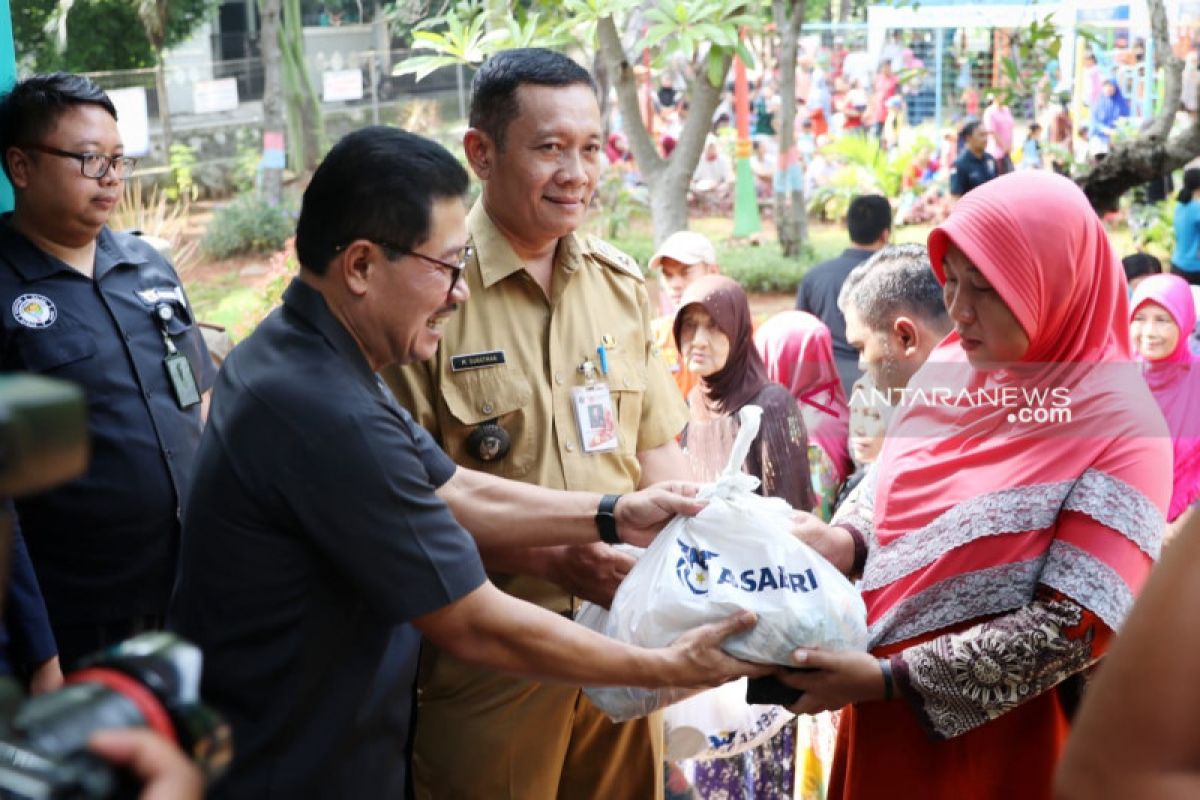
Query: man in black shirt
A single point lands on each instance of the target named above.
(102, 309)
(326, 528)
(869, 220)
(974, 166)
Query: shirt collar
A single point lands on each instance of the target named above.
(494, 256)
(112, 252)
(34, 264)
(309, 304)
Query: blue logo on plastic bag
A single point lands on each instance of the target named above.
(692, 567)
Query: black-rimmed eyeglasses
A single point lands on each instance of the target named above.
(92, 165)
(455, 269)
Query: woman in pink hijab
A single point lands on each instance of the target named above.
(798, 351)
(1001, 541)
(1163, 316)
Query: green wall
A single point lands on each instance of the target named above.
(8, 76)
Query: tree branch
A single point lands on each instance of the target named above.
(1155, 152)
(645, 152)
(703, 99)
(1171, 66)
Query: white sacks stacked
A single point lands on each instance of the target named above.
(737, 553)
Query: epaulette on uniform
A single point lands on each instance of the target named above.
(607, 254)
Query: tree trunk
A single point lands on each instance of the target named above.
(791, 223)
(668, 205)
(666, 179)
(164, 111)
(306, 126)
(273, 121)
(600, 74)
(1156, 152)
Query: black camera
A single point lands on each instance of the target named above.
(150, 681)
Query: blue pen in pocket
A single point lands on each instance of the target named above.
(602, 352)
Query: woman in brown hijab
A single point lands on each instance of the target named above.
(715, 339)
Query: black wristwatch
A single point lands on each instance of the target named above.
(606, 520)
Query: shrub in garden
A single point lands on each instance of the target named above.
(249, 224)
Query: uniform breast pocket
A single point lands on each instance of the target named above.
(50, 350)
(488, 422)
(627, 383)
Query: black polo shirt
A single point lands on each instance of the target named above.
(104, 545)
(312, 536)
(970, 171)
(818, 295)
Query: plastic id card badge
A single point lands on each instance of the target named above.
(596, 417)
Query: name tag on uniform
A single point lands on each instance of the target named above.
(491, 358)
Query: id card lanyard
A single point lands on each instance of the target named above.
(594, 413)
(179, 369)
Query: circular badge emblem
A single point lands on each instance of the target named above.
(34, 311)
(489, 442)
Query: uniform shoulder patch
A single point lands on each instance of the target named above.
(607, 254)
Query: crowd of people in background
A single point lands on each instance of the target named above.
(1046, 121)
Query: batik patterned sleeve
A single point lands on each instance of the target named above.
(958, 681)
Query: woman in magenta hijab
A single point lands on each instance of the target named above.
(1001, 542)
(1163, 315)
(797, 349)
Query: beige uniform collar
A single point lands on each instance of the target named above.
(495, 255)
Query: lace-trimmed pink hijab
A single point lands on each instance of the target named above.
(974, 508)
(1175, 383)
(798, 351)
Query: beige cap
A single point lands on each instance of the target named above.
(686, 247)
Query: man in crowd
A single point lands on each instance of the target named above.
(894, 315)
(869, 220)
(682, 258)
(104, 310)
(558, 322)
(975, 165)
(323, 531)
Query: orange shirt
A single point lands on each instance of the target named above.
(662, 329)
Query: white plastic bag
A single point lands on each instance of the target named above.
(623, 703)
(719, 723)
(737, 553)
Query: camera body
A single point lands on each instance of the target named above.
(150, 681)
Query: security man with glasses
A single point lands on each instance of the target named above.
(81, 302)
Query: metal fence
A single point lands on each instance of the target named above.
(945, 74)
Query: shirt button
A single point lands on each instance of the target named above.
(487, 408)
(570, 447)
(626, 382)
(148, 393)
(128, 336)
(558, 378)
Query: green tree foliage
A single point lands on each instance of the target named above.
(101, 34)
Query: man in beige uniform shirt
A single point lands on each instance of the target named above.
(549, 376)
